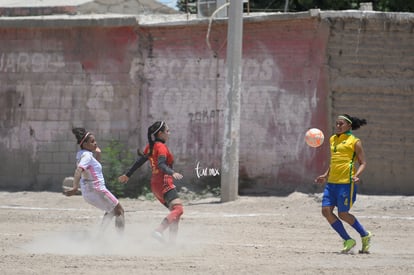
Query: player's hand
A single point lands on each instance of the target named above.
(320, 179)
(356, 180)
(177, 176)
(123, 179)
(70, 192)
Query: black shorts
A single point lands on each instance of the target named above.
(170, 196)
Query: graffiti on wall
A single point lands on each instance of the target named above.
(41, 108)
(21, 62)
(205, 116)
(272, 117)
(197, 69)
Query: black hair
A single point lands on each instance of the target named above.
(154, 129)
(81, 135)
(356, 122)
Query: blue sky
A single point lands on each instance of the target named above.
(170, 3)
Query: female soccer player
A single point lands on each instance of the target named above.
(162, 185)
(342, 178)
(88, 174)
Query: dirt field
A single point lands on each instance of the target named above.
(47, 233)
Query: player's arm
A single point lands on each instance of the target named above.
(322, 178)
(360, 154)
(76, 180)
(138, 163)
(162, 164)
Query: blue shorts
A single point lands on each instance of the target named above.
(339, 195)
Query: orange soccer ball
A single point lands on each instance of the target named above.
(314, 137)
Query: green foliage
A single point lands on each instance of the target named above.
(267, 6)
(115, 158)
(187, 6)
(394, 5)
(147, 194)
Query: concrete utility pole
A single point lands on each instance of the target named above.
(230, 158)
(286, 6)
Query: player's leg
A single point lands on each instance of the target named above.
(177, 210)
(156, 189)
(107, 218)
(119, 218)
(171, 221)
(346, 198)
(329, 201)
(103, 199)
(353, 221)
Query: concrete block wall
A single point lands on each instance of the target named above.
(299, 71)
(53, 80)
(371, 72)
(284, 94)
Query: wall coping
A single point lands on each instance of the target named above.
(67, 21)
(157, 20)
(40, 3)
(367, 14)
(173, 20)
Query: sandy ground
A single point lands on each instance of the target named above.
(48, 233)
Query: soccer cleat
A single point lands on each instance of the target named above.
(348, 245)
(158, 236)
(366, 243)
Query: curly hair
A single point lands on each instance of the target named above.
(81, 135)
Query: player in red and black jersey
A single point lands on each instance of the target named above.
(162, 179)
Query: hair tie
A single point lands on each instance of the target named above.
(83, 139)
(347, 119)
(159, 128)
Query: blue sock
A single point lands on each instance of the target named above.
(358, 227)
(339, 227)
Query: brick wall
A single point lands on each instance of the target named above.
(299, 71)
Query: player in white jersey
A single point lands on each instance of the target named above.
(89, 177)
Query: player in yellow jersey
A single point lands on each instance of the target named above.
(342, 178)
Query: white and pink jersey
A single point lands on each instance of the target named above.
(92, 182)
(91, 169)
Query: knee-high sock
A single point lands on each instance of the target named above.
(173, 217)
(338, 226)
(358, 227)
(175, 214)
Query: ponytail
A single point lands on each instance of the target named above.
(356, 123)
(150, 141)
(153, 130)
